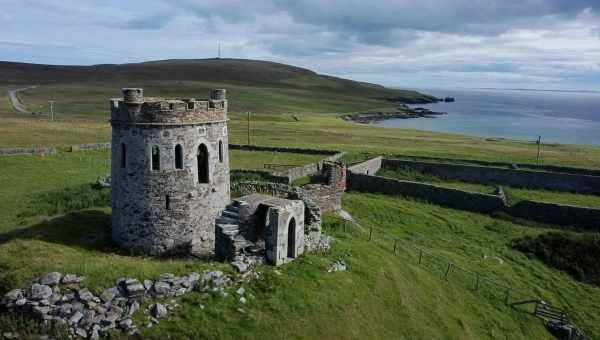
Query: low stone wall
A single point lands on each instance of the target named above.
(551, 168)
(368, 167)
(27, 151)
(281, 149)
(268, 175)
(452, 198)
(558, 214)
(583, 184)
(90, 146)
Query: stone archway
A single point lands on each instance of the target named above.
(291, 241)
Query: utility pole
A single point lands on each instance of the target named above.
(539, 146)
(248, 127)
(219, 51)
(51, 109)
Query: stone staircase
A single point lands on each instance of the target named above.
(228, 239)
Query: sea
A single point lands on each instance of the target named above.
(555, 116)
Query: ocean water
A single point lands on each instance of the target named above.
(558, 117)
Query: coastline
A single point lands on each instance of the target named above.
(403, 112)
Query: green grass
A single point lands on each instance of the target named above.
(514, 195)
(256, 160)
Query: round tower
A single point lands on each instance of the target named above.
(170, 172)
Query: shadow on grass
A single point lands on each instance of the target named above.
(87, 229)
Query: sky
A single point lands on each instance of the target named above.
(544, 44)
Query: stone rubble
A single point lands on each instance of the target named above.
(59, 299)
(338, 266)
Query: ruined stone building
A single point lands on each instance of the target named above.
(170, 172)
(171, 187)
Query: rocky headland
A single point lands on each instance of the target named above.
(403, 112)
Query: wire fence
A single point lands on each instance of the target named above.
(447, 270)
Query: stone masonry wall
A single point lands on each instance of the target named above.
(583, 184)
(141, 219)
(368, 167)
(27, 151)
(558, 214)
(452, 198)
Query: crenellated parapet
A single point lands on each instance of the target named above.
(135, 109)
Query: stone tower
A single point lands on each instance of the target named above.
(170, 172)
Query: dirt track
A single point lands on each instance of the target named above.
(14, 99)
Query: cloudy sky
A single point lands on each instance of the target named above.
(549, 44)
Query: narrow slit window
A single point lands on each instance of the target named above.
(155, 158)
(168, 202)
(220, 151)
(123, 156)
(202, 160)
(178, 157)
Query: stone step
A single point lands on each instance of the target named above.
(231, 207)
(229, 229)
(226, 220)
(231, 214)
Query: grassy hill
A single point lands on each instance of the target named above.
(49, 212)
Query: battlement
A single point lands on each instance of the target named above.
(134, 108)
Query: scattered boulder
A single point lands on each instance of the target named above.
(158, 311)
(40, 292)
(337, 266)
(51, 279)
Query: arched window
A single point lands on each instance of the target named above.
(155, 158)
(178, 157)
(220, 151)
(202, 159)
(168, 202)
(291, 246)
(123, 156)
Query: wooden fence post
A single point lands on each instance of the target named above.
(370, 233)
(395, 245)
(420, 255)
(477, 283)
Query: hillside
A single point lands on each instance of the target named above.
(228, 71)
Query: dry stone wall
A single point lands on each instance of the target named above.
(27, 151)
(583, 184)
(558, 214)
(368, 167)
(452, 198)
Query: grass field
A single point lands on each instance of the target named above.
(51, 219)
(514, 195)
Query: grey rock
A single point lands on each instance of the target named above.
(241, 291)
(133, 307)
(51, 279)
(12, 296)
(109, 294)
(20, 302)
(54, 298)
(338, 266)
(75, 318)
(71, 279)
(242, 300)
(10, 335)
(81, 332)
(158, 311)
(95, 333)
(126, 324)
(85, 295)
(240, 266)
(148, 284)
(40, 292)
(40, 310)
(162, 288)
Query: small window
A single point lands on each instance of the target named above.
(168, 202)
(190, 105)
(178, 157)
(123, 156)
(220, 151)
(171, 106)
(202, 160)
(155, 158)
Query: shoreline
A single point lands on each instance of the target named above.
(403, 112)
